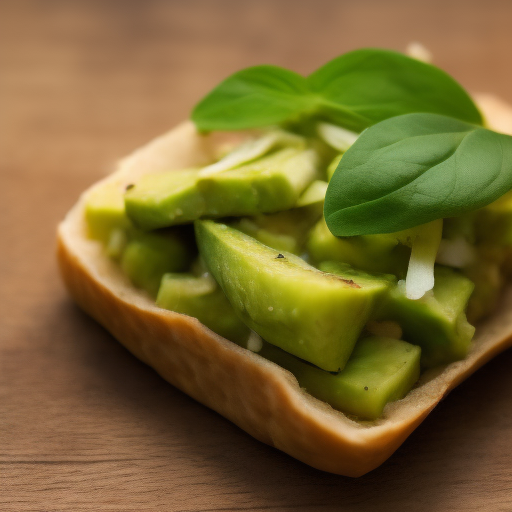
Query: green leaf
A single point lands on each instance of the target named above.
(412, 169)
(254, 97)
(355, 90)
(363, 87)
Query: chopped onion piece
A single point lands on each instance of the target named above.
(254, 342)
(425, 245)
(419, 52)
(458, 253)
(251, 150)
(335, 136)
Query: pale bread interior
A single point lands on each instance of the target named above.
(257, 395)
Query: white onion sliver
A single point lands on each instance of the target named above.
(419, 52)
(458, 253)
(254, 342)
(335, 136)
(251, 150)
(420, 274)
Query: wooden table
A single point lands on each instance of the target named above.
(83, 424)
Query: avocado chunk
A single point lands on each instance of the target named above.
(331, 168)
(117, 243)
(284, 231)
(436, 322)
(380, 370)
(203, 299)
(272, 183)
(164, 199)
(148, 256)
(313, 315)
(493, 223)
(104, 211)
(346, 271)
(486, 272)
(271, 237)
(371, 253)
(314, 194)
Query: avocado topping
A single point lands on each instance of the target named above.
(380, 370)
(270, 184)
(309, 313)
(353, 238)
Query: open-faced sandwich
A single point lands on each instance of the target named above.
(318, 259)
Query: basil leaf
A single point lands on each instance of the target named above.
(355, 90)
(412, 169)
(366, 86)
(254, 97)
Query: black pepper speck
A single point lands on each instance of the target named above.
(279, 256)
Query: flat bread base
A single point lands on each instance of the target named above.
(255, 394)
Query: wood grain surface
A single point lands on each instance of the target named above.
(84, 426)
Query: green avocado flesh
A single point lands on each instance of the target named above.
(144, 257)
(436, 322)
(270, 184)
(284, 231)
(202, 298)
(163, 199)
(333, 166)
(104, 211)
(488, 280)
(274, 270)
(148, 256)
(314, 194)
(380, 370)
(494, 222)
(313, 315)
(372, 253)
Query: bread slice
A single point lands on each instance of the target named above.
(255, 394)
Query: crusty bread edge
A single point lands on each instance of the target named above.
(257, 395)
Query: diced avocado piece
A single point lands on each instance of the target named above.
(486, 273)
(372, 253)
(148, 256)
(333, 166)
(272, 183)
(493, 223)
(117, 243)
(203, 299)
(104, 211)
(348, 272)
(311, 314)
(314, 194)
(436, 322)
(270, 237)
(163, 199)
(380, 370)
(284, 231)
(488, 282)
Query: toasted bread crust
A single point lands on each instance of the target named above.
(257, 395)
